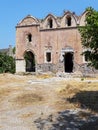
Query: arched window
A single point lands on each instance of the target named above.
(29, 37)
(50, 23)
(68, 20)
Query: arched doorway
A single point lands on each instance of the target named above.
(68, 62)
(30, 61)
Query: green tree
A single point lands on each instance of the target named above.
(7, 63)
(89, 37)
(14, 50)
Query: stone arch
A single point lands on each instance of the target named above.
(69, 19)
(30, 62)
(50, 19)
(82, 18)
(28, 20)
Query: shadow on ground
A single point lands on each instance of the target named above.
(74, 119)
(69, 120)
(86, 100)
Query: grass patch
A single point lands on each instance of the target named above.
(26, 99)
(79, 95)
(4, 92)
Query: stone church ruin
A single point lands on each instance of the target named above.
(50, 44)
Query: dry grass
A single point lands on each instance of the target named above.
(64, 90)
(27, 115)
(44, 76)
(79, 94)
(4, 92)
(74, 87)
(7, 91)
(26, 99)
(6, 79)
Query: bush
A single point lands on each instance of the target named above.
(7, 63)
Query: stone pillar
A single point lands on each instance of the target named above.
(20, 65)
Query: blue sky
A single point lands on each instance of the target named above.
(12, 11)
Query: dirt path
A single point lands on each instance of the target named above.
(24, 100)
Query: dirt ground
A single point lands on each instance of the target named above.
(24, 99)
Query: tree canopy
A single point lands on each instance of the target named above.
(89, 37)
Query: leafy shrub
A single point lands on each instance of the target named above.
(7, 63)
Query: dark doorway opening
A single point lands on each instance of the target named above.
(68, 62)
(30, 61)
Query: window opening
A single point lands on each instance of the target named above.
(86, 58)
(48, 56)
(29, 37)
(86, 53)
(50, 22)
(68, 21)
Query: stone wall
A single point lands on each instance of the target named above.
(52, 36)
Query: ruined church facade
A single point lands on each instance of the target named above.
(50, 44)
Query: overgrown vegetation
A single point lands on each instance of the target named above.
(7, 63)
(89, 37)
(14, 50)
